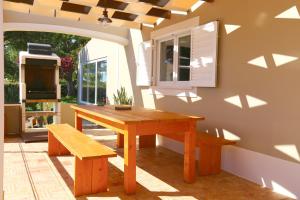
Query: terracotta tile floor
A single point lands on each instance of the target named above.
(29, 174)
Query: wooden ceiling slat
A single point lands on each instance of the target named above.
(124, 16)
(77, 8)
(157, 12)
(29, 2)
(160, 3)
(118, 5)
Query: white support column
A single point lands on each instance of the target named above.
(1, 100)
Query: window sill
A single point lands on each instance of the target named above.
(184, 91)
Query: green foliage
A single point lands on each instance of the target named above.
(63, 45)
(69, 99)
(11, 93)
(121, 97)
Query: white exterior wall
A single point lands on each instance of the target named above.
(117, 66)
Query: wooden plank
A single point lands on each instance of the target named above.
(130, 116)
(40, 100)
(209, 159)
(100, 175)
(130, 160)
(120, 140)
(78, 122)
(189, 154)
(39, 113)
(147, 141)
(79, 144)
(53, 145)
(83, 177)
(102, 122)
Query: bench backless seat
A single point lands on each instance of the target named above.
(210, 148)
(91, 157)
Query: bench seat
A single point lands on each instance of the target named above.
(91, 157)
(210, 148)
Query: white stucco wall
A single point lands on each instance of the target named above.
(117, 66)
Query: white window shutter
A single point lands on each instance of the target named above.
(204, 55)
(144, 64)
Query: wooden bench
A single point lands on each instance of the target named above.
(210, 148)
(91, 157)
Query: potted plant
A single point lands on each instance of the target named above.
(121, 100)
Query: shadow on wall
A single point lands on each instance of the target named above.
(257, 98)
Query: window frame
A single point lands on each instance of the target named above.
(175, 84)
(95, 61)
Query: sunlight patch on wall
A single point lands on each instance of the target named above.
(291, 13)
(230, 136)
(289, 150)
(263, 183)
(158, 95)
(259, 62)
(184, 99)
(235, 100)
(147, 180)
(148, 100)
(283, 59)
(195, 99)
(255, 102)
(281, 190)
(229, 28)
(177, 198)
(217, 131)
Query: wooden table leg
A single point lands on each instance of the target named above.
(130, 160)
(120, 140)
(189, 154)
(78, 122)
(147, 141)
(91, 176)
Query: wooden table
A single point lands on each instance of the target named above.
(145, 123)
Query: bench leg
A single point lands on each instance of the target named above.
(120, 140)
(209, 159)
(91, 176)
(147, 141)
(130, 160)
(55, 148)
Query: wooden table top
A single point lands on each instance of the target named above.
(135, 115)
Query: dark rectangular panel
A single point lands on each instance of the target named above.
(30, 2)
(160, 3)
(118, 5)
(77, 8)
(157, 12)
(124, 16)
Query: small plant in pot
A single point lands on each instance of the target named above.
(122, 101)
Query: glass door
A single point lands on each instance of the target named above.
(93, 82)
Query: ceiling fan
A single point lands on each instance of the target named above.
(104, 19)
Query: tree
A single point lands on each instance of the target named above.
(67, 69)
(63, 45)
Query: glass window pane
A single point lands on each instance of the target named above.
(84, 83)
(91, 82)
(184, 58)
(166, 60)
(101, 82)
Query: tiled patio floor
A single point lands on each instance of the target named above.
(29, 174)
